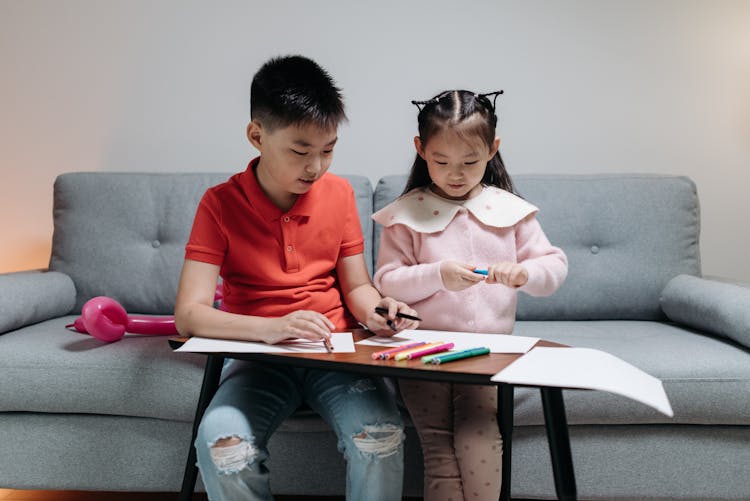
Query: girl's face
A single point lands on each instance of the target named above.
(456, 166)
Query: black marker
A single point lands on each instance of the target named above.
(384, 311)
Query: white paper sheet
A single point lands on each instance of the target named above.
(342, 343)
(497, 343)
(589, 369)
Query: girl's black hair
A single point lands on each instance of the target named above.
(467, 114)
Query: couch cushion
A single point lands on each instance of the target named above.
(625, 237)
(715, 306)
(123, 235)
(34, 296)
(59, 371)
(705, 378)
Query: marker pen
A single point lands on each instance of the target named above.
(388, 354)
(424, 350)
(404, 355)
(450, 357)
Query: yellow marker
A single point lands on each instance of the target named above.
(404, 355)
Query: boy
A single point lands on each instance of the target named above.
(285, 237)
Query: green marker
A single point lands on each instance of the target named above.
(428, 358)
(450, 357)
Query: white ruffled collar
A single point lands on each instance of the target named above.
(425, 212)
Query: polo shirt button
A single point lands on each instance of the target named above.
(155, 244)
(289, 248)
(595, 249)
(286, 219)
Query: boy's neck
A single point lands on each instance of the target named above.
(282, 199)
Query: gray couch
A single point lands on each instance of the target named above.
(76, 413)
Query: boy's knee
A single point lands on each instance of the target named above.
(380, 440)
(232, 454)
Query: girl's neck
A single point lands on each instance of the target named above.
(475, 191)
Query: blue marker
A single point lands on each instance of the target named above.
(481, 271)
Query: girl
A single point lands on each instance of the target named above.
(459, 213)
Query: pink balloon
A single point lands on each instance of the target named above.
(106, 319)
(156, 326)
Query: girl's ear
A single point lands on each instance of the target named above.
(418, 146)
(495, 146)
(255, 134)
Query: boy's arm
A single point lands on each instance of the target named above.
(196, 316)
(361, 297)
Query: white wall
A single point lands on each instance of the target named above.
(657, 86)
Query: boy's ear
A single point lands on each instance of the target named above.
(255, 133)
(418, 146)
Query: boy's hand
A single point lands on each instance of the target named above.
(304, 324)
(458, 276)
(379, 323)
(511, 274)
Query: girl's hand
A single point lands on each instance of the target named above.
(511, 274)
(458, 276)
(379, 323)
(304, 324)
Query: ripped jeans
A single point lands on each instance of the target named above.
(252, 401)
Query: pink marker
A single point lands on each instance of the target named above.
(428, 351)
(388, 354)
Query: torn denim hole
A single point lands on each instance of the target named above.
(379, 440)
(232, 458)
(361, 386)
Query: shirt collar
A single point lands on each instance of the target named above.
(425, 212)
(258, 198)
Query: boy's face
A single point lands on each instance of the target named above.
(292, 158)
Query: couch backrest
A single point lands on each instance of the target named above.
(625, 237)
(123, 235)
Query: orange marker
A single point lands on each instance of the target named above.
(388, 354)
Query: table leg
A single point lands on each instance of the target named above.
(559, 443)
(505, 422)
(211, 377)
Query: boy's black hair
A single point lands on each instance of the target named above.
(294, 90)
(469, 115)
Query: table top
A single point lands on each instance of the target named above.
(474, 370)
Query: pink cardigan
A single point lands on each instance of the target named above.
(495, 226)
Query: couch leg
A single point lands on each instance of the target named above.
(211, 377)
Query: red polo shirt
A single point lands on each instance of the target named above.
(275, 262)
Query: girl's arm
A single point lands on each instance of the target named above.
(362, 298)
(196, 316)
(398, 273)
(546, 264)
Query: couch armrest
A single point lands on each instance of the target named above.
(29, 297)
(715, 306)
